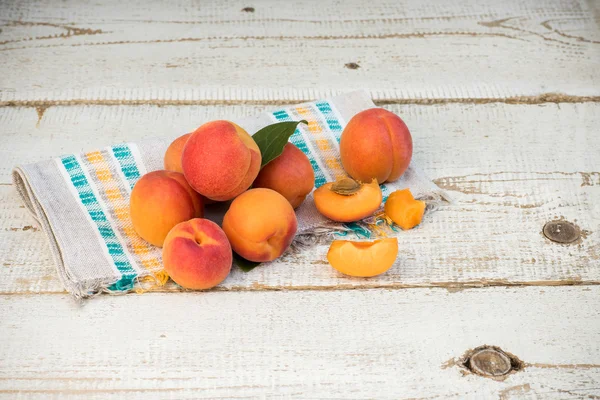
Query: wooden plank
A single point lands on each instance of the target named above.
(186, 52)
(496, 160)
(451, 140)
(353, 344)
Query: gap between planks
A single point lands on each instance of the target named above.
(451, 287)
(41, 105)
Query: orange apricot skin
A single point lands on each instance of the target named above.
(197, 254)
(363, 259)
(290, 175)
(351, 208)
(376, 143)
(260, 224)
(404, 210)
(172, 161)
(159, 201)
(220, 160)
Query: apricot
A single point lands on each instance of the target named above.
(347, 200)
(173, 159)
(173, 154)
(376, 144)
(290, 175)
(404, 210)
(260, 224)
(363, 259)
(197, 254)
(220, 160)
(159, 201)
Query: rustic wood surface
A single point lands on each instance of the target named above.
(505, 177)
(503, 100)
(380, 344)
(192, 51)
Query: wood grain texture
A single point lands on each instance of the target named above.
(190, 51)
(509, 169)
(354, 344)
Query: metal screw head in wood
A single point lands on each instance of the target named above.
(490, 362)
(561, 231)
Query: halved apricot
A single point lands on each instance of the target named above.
(404, 210)
(348, 200)
(363, 259)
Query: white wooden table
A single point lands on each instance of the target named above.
(503, 101)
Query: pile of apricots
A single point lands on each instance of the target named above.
(220, 162)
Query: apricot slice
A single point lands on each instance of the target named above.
(363, 259)
(404, 210)
(348, 200)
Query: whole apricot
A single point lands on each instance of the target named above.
(159, 201)
(220, 160)
(404, 210)
(347, 200)
(172, 159)
(290, 175)
(260, 224)
(197, 254)
(364, 259)
(376, 144)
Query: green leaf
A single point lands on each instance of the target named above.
(272, 138)
(245, 265)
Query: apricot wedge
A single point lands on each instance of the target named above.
(357, 203)
(404, 210)
(363, 259)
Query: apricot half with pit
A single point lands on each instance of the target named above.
(348, 200)
(363, 259)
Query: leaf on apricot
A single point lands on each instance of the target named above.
(272, 139)
(245, 265)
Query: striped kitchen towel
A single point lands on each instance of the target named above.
(81, 201)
